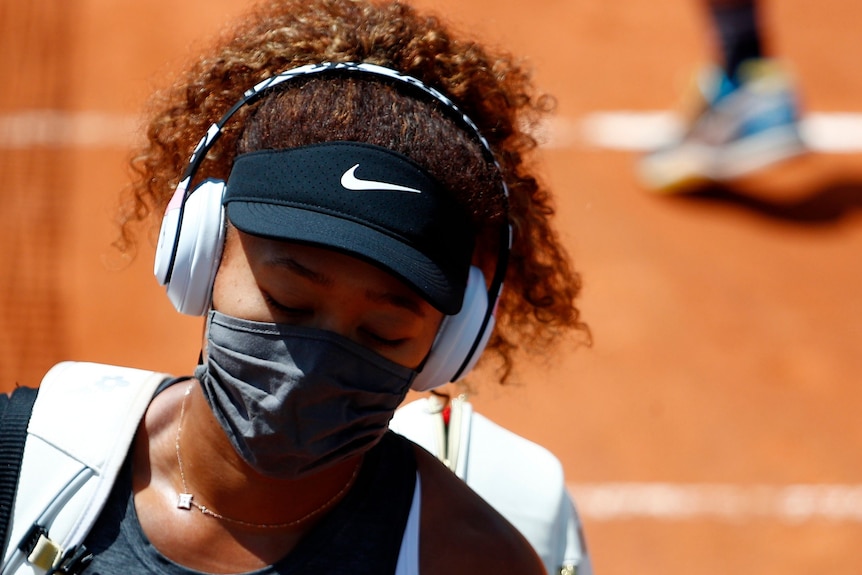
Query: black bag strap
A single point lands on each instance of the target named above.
(15, 411)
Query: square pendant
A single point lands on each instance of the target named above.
(184, 501)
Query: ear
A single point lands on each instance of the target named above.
(461, 339)
(190, 245)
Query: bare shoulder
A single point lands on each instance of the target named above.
(461, 533)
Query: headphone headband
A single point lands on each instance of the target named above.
(354, 68)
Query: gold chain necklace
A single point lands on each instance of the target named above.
(185, 500)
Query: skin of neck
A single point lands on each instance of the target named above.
(220, 478)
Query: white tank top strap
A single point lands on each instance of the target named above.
(408, 557)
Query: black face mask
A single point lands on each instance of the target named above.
(296, 400)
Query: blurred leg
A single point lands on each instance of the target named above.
(738, 32)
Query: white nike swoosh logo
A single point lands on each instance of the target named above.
(351, 182)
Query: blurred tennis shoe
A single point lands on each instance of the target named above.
(735, 128)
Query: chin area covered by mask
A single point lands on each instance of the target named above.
(295, 400)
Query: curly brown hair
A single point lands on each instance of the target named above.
(493, 89)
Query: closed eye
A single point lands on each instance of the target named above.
(384, 341)
(287, 310)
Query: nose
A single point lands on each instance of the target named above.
(335, 316)
(332, 323)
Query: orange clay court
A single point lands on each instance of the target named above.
(712, 428)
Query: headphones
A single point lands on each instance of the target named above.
(193, 229)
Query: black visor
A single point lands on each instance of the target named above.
(363, 200)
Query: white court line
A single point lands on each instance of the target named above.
(834, 132)
(790, 504)
(57, 129)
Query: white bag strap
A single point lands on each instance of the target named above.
(458, 435)
(83, 422)
(576, 560)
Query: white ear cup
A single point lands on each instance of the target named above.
(457, 336)
(198, 252)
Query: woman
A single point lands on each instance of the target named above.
(363, 217)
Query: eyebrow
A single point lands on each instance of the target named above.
(299, 269)
(397, 300)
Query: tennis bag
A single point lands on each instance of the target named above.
(79, 433)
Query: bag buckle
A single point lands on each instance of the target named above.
(49, 556)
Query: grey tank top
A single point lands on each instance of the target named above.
(361, 536)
